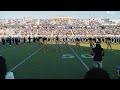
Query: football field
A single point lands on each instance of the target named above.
(29, 61)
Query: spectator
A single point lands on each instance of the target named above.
(3, 68)
(118, 71)
(97, 52)
(97, 73)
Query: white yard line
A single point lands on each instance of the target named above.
(8, 49)
(5, 50)
(25, 60)
(80, 59)
(114, 52)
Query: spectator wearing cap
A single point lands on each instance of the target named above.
(97, 52)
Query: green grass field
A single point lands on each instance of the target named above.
(33, 63)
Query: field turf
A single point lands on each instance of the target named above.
(29, 61)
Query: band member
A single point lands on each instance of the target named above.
(29, 38)
(37, 38)
(16, 41)
(91, 43)
(119, 40)
(24, 40)
(7, 40)
(3, 41)
(40, 40)
(63, 39)
(77, 41)
(13, 39)
(66, 39)
(10, 41)
(108, 42)
(45, 43)
(34, 39)
(72, 40)
(57, 41)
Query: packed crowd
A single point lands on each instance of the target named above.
(53, 26)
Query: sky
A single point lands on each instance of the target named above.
(50, 14)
